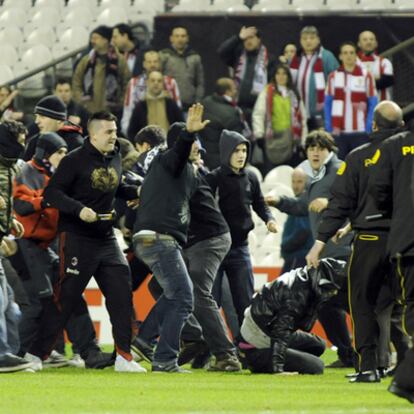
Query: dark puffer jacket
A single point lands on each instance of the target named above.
(291, 302)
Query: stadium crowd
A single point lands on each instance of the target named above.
(131, 146)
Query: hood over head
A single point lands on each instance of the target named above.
(229, 140)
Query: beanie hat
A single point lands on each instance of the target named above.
(9, 146)
(48, 144)
(175, 131)
(52, 107)
(104, 31)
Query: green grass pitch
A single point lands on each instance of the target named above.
(77, 391)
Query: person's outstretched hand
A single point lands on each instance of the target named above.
(195, 121)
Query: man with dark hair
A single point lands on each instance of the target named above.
(157, 108)
(123, 39)
(76, 113)
(100, 78)
(310, 70)
(369, 266)
(137, 87)
(51, 116)
(83, 189)
(349, 102)
(380, 67)
(159, 232)
(223, 113)
(184, 65)
(249, 59)
(321, 166)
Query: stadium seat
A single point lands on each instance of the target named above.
(112, 15)
(145, 6)
(8, 55)
(45, 16)
(192, 5)
(256, 171)
(12, 36)
(17, 4)
(55, 4)
(6, 74)
(92, 5)
(104, 4)
(36, 56)
(341, 5)
(13, 18)
(74, 37)
(78, 16)
(44, 35)
(374, 4)
(311, 5)
(281, 174)
(273, 5)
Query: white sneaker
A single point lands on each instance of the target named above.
(76, 361)
(123, 365)
(37, 364)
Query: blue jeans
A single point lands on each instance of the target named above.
(239, 272)
(175, 305)
(9, 318)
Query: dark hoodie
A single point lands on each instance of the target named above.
(87, 178)
(237, 192)
(291, 301)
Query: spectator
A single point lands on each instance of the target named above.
(123, 40)
(156, 109)
(249, 59)
(100, 78)
(380, 68)
(288, 52)
(279, 119)
(223, 113)
(322, 166)
(50, 116)
(349, 102)
(238, 191)
(7, 110)
(297, 236)
(76, 113)
(184, 65)
(310, 70)
(137, 87)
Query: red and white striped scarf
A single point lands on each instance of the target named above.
(296, 115)
(301, 69)
(260, 70)
(376, 64)
(359, 97)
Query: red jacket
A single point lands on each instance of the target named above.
(39, 223)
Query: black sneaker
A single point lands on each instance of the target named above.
(168, 368)
(201, 360)
(142, 349)
(13, 363)
(99, 360)
(399, 391)
(366, 376)
(189, 350)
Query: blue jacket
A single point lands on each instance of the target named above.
(297, 237)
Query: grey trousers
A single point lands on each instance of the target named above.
(203, 260)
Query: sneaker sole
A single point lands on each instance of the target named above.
(140, 354)
(17, 368)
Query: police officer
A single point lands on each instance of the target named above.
(393, 190)
(368, 265)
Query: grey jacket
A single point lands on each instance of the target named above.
(187, 70)
(300, 207)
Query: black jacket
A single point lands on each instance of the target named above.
(71, 133)
(73, 108)
(86, 178)
(222, 115)
(237, 192)
(168, 186)
(230, 51)
(392, 186)
(349, 192)
(139, 117)
(291, 301)
(206, 218)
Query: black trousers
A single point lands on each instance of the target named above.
(81, 258)
(404, 375)
(302, 356)
(368, 269)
